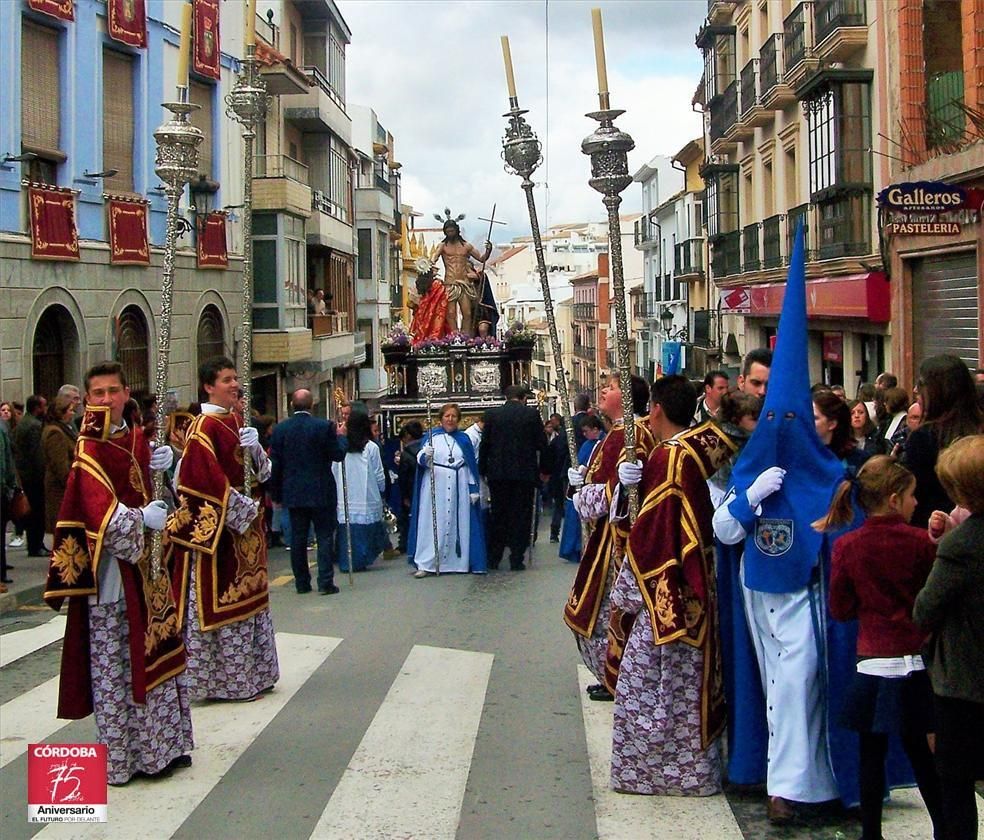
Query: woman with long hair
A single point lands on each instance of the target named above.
(894, 431)
(364, 484)
(832, 419)
(949, 412)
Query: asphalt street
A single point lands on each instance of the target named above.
(436, 708)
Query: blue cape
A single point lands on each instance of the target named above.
(781, 552)
(476, 542)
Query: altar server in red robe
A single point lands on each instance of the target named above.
(217, 550)
(669, 696)
(123, 648)
(587, 609)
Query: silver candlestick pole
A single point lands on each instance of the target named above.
(247, 104)
(176, 164)
(521, 152)
(609, 147)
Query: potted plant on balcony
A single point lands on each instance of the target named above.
(396, 346)
(519, 342)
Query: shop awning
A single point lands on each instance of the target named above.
(864, 296)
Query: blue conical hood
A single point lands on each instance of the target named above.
(783, 550)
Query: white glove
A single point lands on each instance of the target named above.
(575, 478)
(428, 454)
(630, 475)
(161, 457)
(765, 485)
(473, 498)
(249, 438)
(155, 516)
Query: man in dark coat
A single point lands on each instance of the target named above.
(513, 443)
(302, 450)
(29, 461)
(406, 471)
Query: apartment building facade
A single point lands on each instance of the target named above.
(79, 148)
(379, 225)
(793, 118)
(303, 224)
(590, 328)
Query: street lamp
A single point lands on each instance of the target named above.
(666, 321)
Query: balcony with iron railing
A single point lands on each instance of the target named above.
(724, 113)
(726, 254)
(840, 28)
(280, 166)
(319, 110)
(644, 305)
(749, 87)
(644, 232)
(772, 242)
(793, 217)
(688, 258)
(769, 64)
(797, 44)
(585, 312)
(750, 247)
(587, 352)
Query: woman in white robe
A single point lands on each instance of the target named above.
(448, 460)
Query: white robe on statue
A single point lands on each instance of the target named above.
(451, 476)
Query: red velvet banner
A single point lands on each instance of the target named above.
(54, 235)
(212, 251)
(61, 9)
(128, 240)
(128, 22)
(206, 51)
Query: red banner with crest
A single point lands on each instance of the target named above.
(206, 50)
(212, 252)
(54, 235)
(128, 238)
(128, 22)
(61, 9)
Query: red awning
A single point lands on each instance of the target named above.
(864, 296)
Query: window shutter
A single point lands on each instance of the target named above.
(40, 94)
(118, 120)
(200, 94)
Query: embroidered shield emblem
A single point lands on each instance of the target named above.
(774, 536)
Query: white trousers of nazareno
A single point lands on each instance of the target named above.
(783, 627)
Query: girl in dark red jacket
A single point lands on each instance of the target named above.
(876, 573)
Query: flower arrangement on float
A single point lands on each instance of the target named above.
(519, 336)
(397, 344)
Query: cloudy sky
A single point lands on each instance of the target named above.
(432, 70)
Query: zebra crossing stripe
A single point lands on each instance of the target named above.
(629, 817)
(144, 809)
(408, 775)
(20, 643)
(29, 719)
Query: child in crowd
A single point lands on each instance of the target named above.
(737, 418)
(876, 572)
(952, 606)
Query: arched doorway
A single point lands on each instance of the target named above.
(132, 348)
(55, 351)
(211, 334)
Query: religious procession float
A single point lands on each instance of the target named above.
(450, 352)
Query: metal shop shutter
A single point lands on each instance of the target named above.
(945, 307)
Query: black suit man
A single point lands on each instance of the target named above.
(29, 461)
(302, 450)
(513, 441)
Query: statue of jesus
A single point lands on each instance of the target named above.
(460, 279)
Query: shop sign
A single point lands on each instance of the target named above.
(929, 208)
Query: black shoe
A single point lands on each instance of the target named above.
(555, 539)
(180, 761)
(43, 553)
(330, 589)
(6, 580)
(10, 567)
(591, 689)
(518, 567)
(603, 696)
(303, 590)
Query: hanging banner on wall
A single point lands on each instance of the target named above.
(212, 252)
(54, 235)
(128, 240)
(671, 361)
(61, 9)
(206, 51)
(128, 22)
